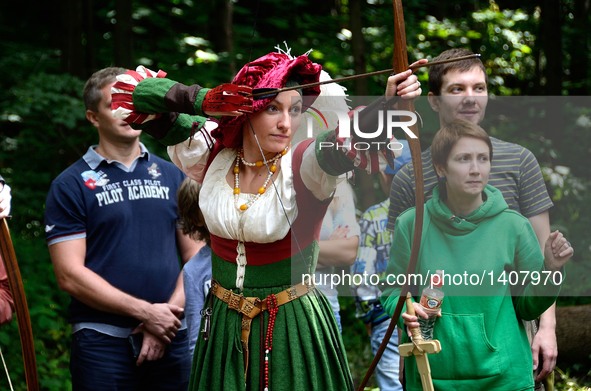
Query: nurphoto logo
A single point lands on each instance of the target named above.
(351, 135)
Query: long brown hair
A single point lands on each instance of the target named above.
(190, 216)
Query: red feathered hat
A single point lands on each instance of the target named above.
(272, 70)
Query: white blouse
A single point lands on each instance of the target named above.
(265, 220)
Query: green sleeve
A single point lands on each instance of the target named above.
(180, 106)
(172, 128)
(149, 95)
(536, 296)
(398, 263)
(161, 95)
(199, 98)
(183, 128)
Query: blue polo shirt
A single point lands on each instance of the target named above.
(128, 216)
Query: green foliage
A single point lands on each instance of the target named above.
(43, 128)
(47, 308)
(566, 381)
(557, 130)
(357, 342)
(503, 38)
(52, 133)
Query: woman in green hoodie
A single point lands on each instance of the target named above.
(494, 273)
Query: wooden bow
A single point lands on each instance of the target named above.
(400, 64)
(20, 304)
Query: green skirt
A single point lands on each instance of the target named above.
(307, 349)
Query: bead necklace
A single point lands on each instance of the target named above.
(270, 171)
(273, 309)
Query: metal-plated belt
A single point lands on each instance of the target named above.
(251, 307)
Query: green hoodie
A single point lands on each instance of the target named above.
(484, 345)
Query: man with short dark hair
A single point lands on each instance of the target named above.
(111, 228)
(458, 90)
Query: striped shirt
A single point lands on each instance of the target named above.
(515, 172)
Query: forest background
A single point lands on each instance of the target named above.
(531, 49)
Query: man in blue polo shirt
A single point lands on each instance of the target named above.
(111, 227)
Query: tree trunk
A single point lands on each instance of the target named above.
(357, 46)
(74, 59)
(219, 29)
(579, 64)
(123, 43)
(551, 42)
(364, 183)
(220, 26)
(573, 334)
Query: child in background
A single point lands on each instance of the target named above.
(372, 258)
(197, 271)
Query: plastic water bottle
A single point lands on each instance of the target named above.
(431, 300)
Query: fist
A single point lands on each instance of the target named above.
(557, 251)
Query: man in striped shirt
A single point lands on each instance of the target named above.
(458, 90)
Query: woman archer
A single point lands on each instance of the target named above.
(263, 202)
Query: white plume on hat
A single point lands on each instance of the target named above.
(332, 99)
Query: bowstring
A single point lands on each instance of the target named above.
(6, 370)
(283, 209)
